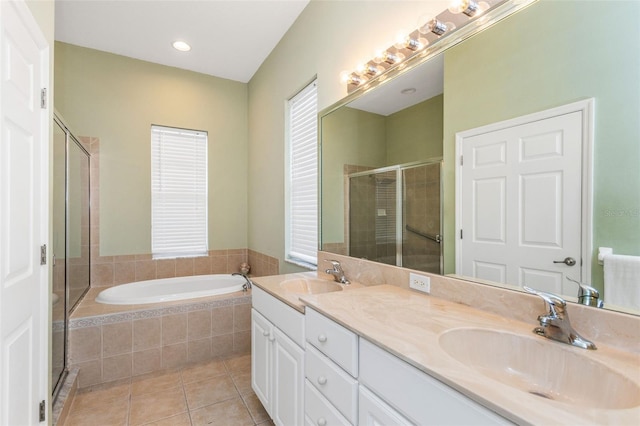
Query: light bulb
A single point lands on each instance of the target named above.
(434, 26)
(407, 42)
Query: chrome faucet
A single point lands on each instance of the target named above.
(588, 295)
(337, 272)
(246, 286)
(555, 324)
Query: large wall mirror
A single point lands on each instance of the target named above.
(549, 54)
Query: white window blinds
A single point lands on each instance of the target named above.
(178, 192)
(302, 226)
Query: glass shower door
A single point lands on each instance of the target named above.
(421, 242)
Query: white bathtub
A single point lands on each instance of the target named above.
(168, 289)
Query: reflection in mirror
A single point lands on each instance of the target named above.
(541, 57)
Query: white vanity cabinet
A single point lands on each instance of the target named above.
(415, 395)
(331, 368)
(277, 358)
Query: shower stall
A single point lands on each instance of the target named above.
(71, 240)
(395, 215)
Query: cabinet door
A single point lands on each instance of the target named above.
(288, 377)
(261, 358)
(376, 412)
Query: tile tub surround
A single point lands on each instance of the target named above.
(113, 342)
(612, 328)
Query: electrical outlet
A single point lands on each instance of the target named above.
(420, 282)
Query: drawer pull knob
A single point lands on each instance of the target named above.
(322, 338)
(265, 333)
(322, 421)
(322, 380)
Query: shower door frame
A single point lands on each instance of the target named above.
(398, 168)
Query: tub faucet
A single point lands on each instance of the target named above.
(555, 324)
(337, 272)
(246, 286)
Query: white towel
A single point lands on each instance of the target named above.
(622, 280)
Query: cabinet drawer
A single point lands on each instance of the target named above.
(333, 340)
(418, 396)
(318, 411)
(372, 411)
(287, 319)
(332, 382)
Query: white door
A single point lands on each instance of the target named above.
(24, 178)
(288, 381)
(521, 203)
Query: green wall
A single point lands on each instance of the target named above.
(117, 99)
(550, 54)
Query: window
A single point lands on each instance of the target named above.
(302, 188)
(178, 192)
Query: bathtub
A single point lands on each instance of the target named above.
(169, 289)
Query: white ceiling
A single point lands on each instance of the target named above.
(427, 79)
(229, 38)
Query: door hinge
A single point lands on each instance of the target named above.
(42, 411)
(43, 254)
(43, 98)
(461, 160)
(461, 234)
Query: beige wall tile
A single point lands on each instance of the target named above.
(147, 333)
(90, 373)
(221, 320)
(147, 361)
(124, 272)
(102, 274)
(218, 264)
(174, 329)
(199, 350)
(201, 265)
(85, 344)
(145, 270)
(242, 317)
(184, 267)
(222, 345)
(199, 325)
(166, 268)
(234, 261)
(242, 342)
(174, 355)
(116, 339)
(116, 367)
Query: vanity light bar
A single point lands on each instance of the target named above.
(430, 30)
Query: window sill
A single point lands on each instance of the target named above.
(302, 264)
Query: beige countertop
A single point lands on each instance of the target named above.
(410, 325)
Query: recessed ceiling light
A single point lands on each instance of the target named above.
(408, 91)
(181, 46)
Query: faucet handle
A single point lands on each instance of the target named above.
(556, 303)
(334, 263)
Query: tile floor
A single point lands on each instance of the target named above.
(216, 392)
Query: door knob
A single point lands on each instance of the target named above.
(569, 261)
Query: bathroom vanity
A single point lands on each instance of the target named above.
(387, 355)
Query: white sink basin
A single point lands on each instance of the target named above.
(310, 286)
(541, 367)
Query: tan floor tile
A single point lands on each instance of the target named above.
(209, 391)
(154, 382)
(226, 413)
(268, 422)
(256, 408)
(238, 363)
(113, 413)
(179, 420)
(242, 380)
(155, 406)
(92, 397)
(203, 371)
